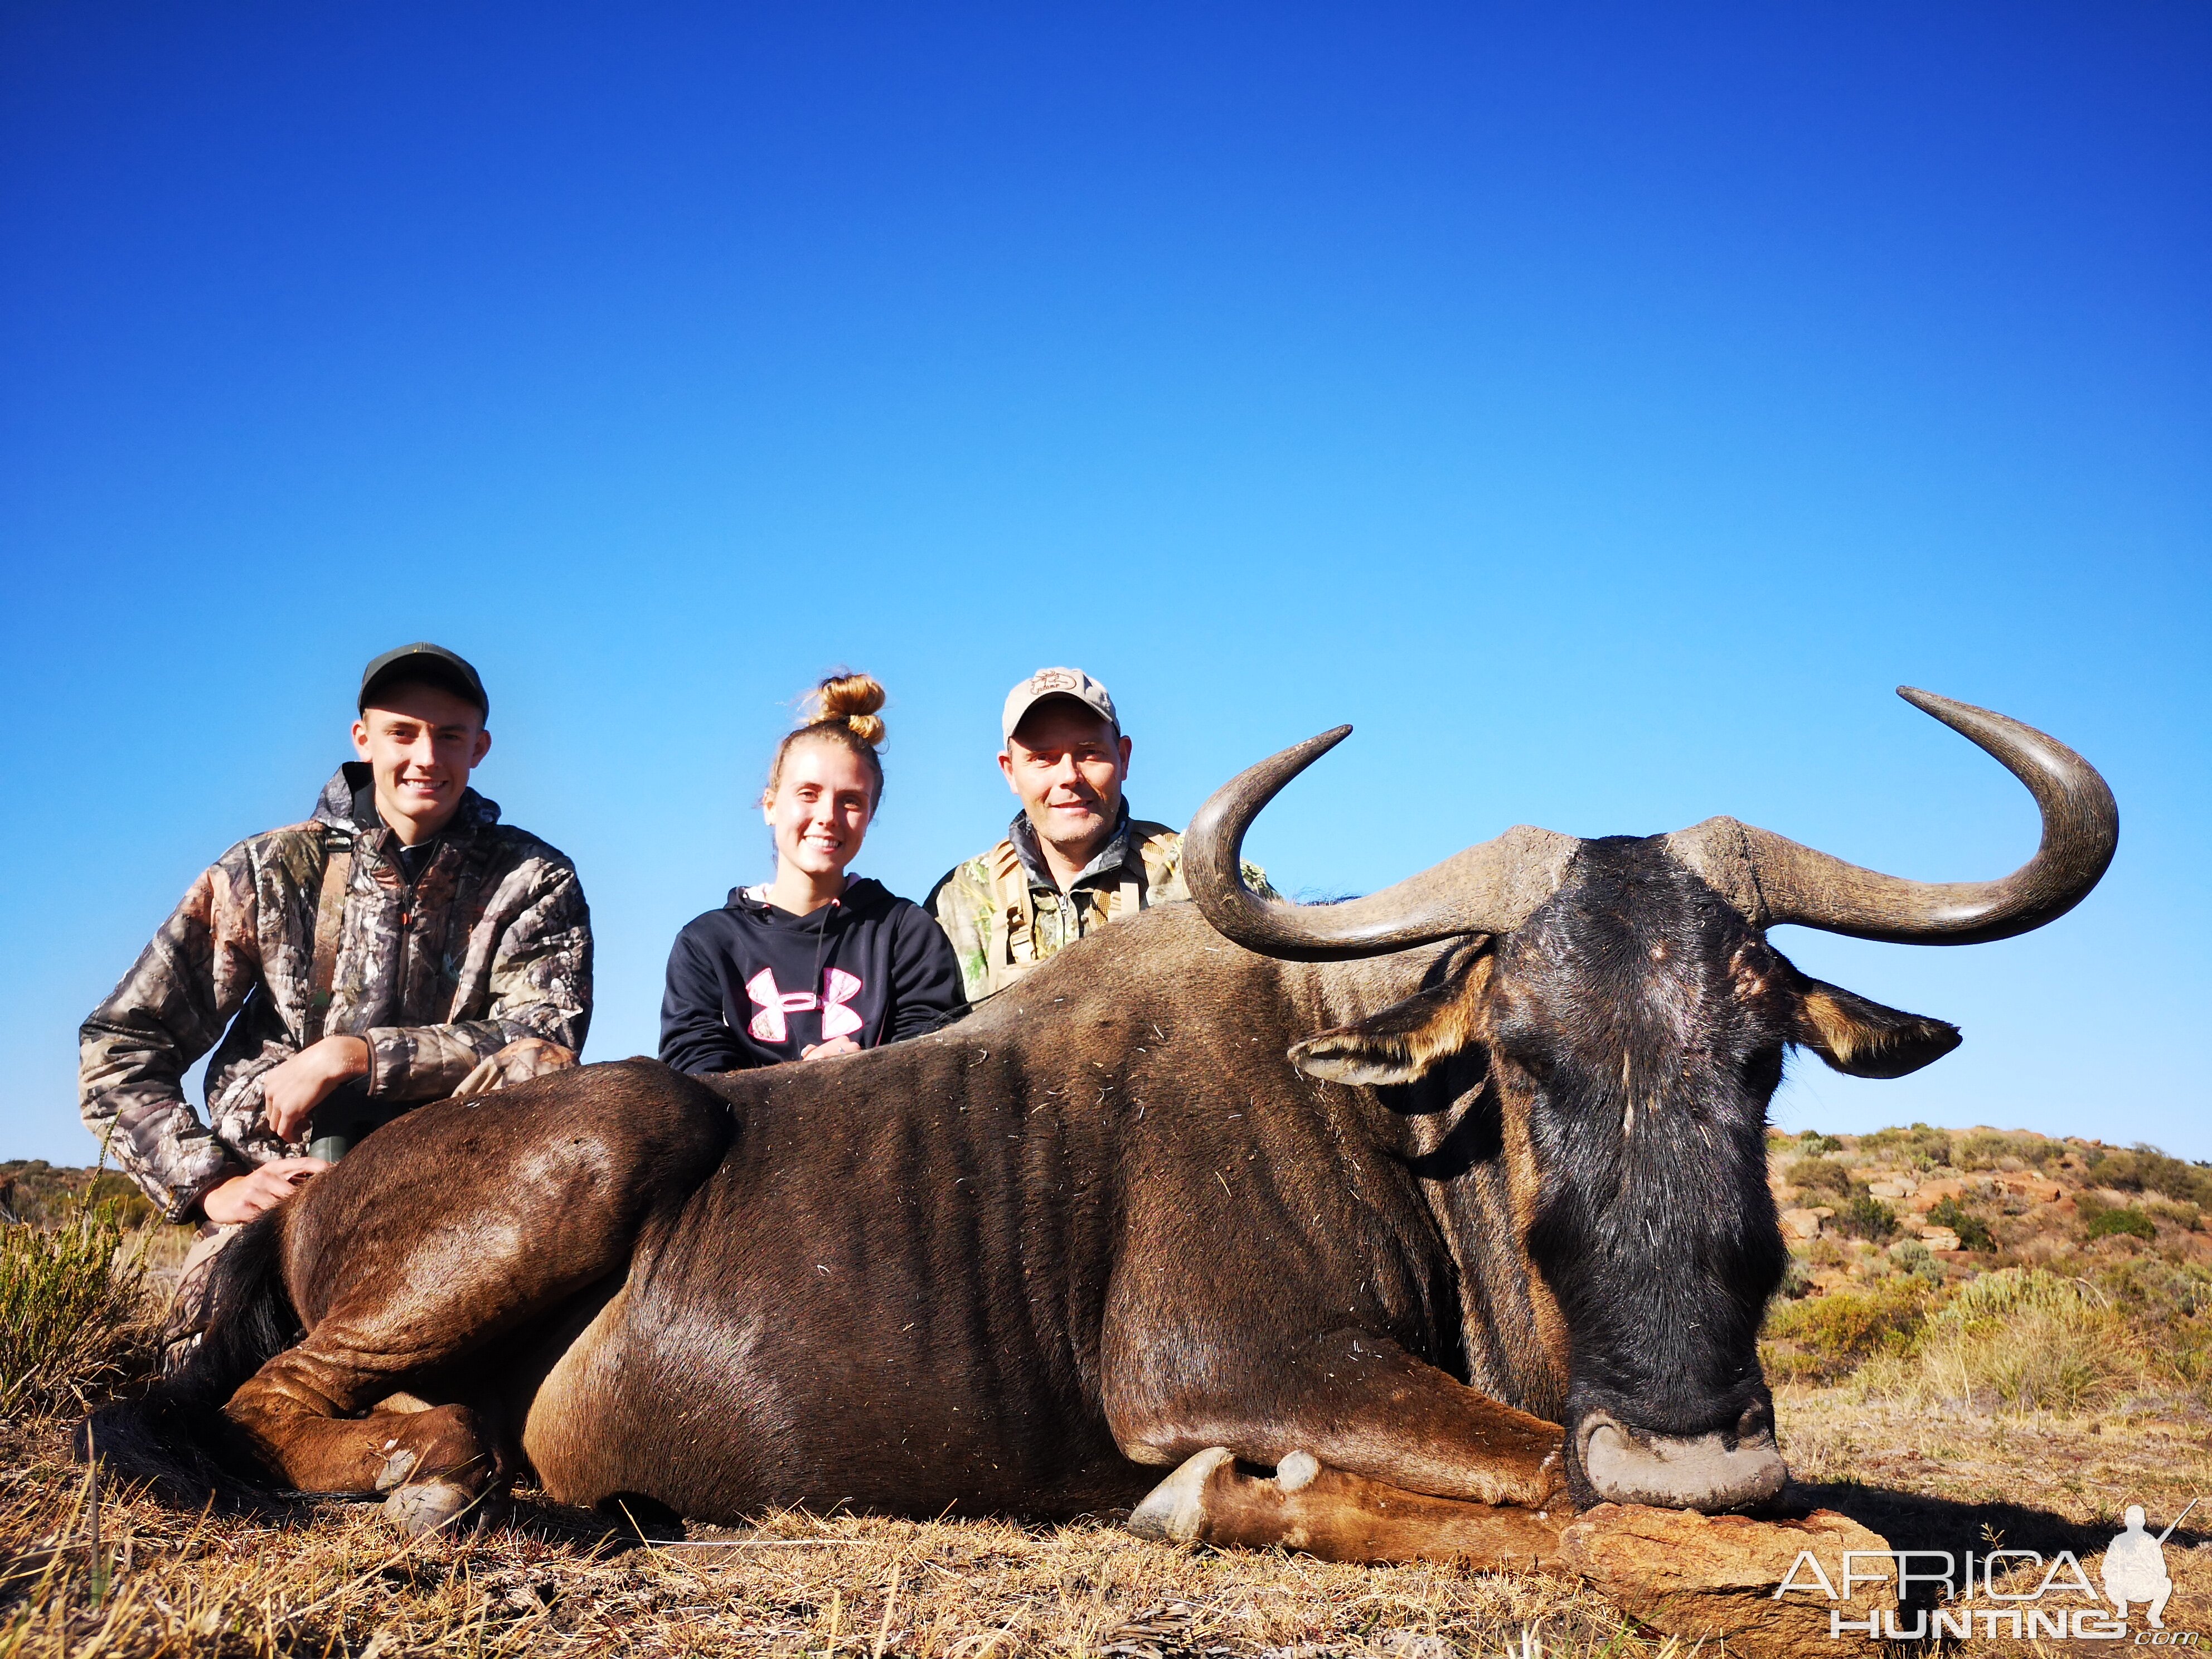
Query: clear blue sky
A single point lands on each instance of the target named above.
(1601, 408)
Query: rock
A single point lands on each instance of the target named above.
(1895, 1187)
(1703, 1577)
(1929, 1193)
(1801, 1224)
(2034, 1186)
(1826, 1211)
(1942, 1240)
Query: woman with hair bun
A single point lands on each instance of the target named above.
(816, 962)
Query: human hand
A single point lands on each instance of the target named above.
(836, 1045)
(291, 1090)
(242, 1198)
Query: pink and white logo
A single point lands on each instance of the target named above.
(771, 1005)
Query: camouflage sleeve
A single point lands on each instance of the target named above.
(961, 904)
(170, 1009)
(1257, 880)
(541, 986)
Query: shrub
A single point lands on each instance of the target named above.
(1867, 1217)
(32, 1190)
(1823, 1338)
(2122, 1218)
(1973, 1231)
(2026, 1339)
(1818, 1175)
(1813, 1144)
(1919, 1145)
(76, 1321)
(2147, 1169)
(2187, 1216)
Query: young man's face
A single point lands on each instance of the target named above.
(420, 743)
(1067, 765)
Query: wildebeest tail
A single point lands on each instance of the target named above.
(175, 1435)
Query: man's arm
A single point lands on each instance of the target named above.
(694, 1036)
(541, 986)
(961, 903)
(170, 1009)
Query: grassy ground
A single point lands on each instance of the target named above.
(2023, 1393)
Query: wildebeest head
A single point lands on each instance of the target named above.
(1634, 1019)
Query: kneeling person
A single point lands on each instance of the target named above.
(401, 946)
(1073, 858)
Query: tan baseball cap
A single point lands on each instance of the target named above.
(1058, 683)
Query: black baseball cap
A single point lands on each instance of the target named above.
(429, 665)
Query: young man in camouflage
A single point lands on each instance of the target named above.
(1073, 859)
(402, 946)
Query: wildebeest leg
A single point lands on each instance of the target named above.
(1356, 1401)
(466, 1223)
(1338, 1516)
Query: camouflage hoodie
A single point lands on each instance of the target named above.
(490, 943)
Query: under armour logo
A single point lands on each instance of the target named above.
(771, 1004)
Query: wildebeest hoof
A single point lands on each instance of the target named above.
(1174, 1511)
(429, 1506)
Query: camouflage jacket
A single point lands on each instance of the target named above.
(492, 942)
(1004, 915)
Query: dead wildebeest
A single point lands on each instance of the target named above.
(1450, 1197)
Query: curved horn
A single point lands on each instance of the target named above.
(1484, 889)
(1772, 879)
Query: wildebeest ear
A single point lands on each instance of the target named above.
(1865, 1039)
(1406, 1038)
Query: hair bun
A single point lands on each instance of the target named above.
(853, 699)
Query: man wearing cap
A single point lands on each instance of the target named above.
(400, 946)
(1073, 859)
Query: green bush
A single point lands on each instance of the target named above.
(1813, 1144)
(2146, 1169)
(1988, 1149)
(1818, 1175)
(1867, 1217)
(2122, 1218)
(1919, 1145)
(1825, 1337)
(1973, 1231)
(32, 1190)
(76, 1321)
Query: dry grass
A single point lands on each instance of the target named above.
(334, 1580)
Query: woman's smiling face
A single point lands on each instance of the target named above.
(821, 807)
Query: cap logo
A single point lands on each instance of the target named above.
(1055, 680)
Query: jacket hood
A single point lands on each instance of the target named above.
(335, 805)
(861, 898)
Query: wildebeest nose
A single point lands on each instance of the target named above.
(1686, 1471)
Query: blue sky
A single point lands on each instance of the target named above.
(1603, 408)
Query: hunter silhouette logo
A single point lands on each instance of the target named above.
(2134, 1567)
(2133, 1571)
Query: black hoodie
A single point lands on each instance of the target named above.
(751, 985)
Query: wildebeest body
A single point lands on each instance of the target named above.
(942, 1273)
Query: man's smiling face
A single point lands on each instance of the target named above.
(1067, 764)
(420, 743)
